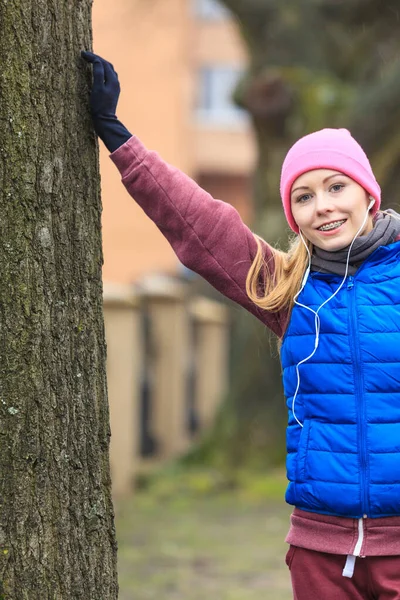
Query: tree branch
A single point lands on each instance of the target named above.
(375, 113)
(250, 8)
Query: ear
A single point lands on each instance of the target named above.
(372, 202)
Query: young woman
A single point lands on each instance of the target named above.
(334, 301)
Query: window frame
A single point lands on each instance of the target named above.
(214, 106)
(210, 10)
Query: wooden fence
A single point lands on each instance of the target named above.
(167, 370)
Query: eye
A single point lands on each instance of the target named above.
(303, 198)
(336, 187)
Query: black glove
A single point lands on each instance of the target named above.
(103, 103)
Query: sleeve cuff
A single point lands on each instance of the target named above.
(130, 153)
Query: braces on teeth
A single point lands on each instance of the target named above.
(331, 225)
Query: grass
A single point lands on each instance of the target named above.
(180, 540)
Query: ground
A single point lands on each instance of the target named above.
(175, 545)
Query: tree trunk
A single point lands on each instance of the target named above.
(57, 537)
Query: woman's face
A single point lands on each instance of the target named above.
(329, 208)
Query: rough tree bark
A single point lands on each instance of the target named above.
(57, 537)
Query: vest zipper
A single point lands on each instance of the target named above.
(359, 396)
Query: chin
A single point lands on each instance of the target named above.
(332, 245)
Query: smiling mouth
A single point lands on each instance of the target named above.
(331, 226)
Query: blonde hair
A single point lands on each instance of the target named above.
(274, 289)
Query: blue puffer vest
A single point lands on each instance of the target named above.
(345, 460)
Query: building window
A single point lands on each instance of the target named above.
(215, 105)
(210, 9)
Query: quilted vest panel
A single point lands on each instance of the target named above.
(345, 460)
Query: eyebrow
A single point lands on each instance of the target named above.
(305, 187)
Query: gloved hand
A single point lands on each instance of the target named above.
(103, 102)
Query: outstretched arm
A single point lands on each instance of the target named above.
(207, 235)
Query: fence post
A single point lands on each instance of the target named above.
(212, 339)
(122, 326)
(165, 299)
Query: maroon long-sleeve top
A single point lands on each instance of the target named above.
(207, 235)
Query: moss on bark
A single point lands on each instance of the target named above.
(57, 537)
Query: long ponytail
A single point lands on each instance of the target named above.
(275, 289)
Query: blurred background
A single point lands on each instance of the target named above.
(221, 90)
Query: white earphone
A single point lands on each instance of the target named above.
(317, 320)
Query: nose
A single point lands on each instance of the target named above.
(323, 204)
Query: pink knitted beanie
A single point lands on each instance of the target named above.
(327, 149)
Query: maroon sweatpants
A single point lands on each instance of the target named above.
(318, 576)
